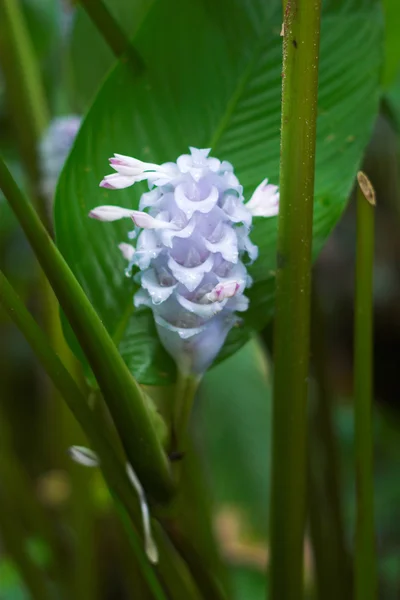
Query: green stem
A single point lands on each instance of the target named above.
(188, 522)
(365, 553)
(25, 93)
(111, 31)
(173, 570)
(170, 568)
(332, 561)
(291, 336)
(121, 392)
(186, 386)
(79, 511)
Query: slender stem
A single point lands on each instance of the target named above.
(25, 93)
(188, 522)
(80, 509)
(186, 387)
(111, 31)
(365, 553)
(171, 569)
(331, 557)
(121, 392)
(291, 336)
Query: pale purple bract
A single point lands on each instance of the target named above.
(191, 249)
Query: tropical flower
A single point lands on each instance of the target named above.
(192, 246)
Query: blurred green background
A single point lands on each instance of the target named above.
(50, 506)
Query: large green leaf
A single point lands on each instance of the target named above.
(90, 57)
(213, 78)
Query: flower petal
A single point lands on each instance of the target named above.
(110, 213)
(236, 211)
(184, 332)
(236, 273)
(117, 181)
(141, 298)
(190, 206)
(167, 236)
(190, 277)
(227, 245)
(127, 250)
(158, 293)
(264, 201)
(223, 291)
(205, 311)
(239, 303)
(245, 244)
(142, 219)
(147, 248)
(195, 349)
(150, 199)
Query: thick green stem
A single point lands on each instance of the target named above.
(188, 522)
(111, 31)
(291, 337)
(25, 93)
(121, 392)
(365, 576)
(332, 560)
(170, 568)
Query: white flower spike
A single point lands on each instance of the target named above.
(192, 246)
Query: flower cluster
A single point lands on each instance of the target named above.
(190, 250)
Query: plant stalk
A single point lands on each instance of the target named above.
(292, 317)
(170, 568)
(112, 33)
(365, 568)
(186, 387)
(25, 94)
(331, 557)
(121, 392)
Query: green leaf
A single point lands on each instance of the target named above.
(238, 479)
(226, 418)
(213, 81)
(87, 43)
(44, 20)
